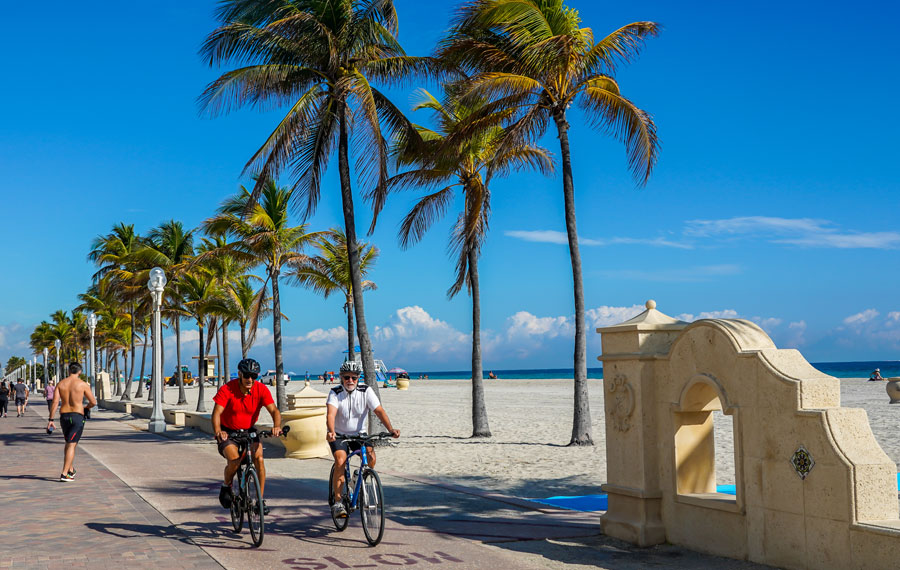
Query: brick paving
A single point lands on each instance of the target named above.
(95, 521)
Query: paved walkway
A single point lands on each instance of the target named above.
(94, 521)
(151, 501)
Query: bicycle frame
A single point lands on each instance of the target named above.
(354, 493)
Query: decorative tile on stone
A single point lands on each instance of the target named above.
(622, 402)
(802, 462)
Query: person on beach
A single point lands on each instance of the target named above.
(48, 393)
(876, 375)
(4, 398)
(21, 391)
(238, 404)
(69, 397)
(348, 405)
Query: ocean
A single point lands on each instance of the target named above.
(861, 369)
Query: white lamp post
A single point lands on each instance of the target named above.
(57, 344)
(45, 366)
(156, 285)
(92, 324)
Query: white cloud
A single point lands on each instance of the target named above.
(805, 232)
(411, 334)
(860, 318)
(551, 236)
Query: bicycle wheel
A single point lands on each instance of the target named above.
(254, 508)
(340, 523)
(371, 507)
(237, 513)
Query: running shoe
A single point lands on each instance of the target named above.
(71, 473)
(339, 511)
(65, 477)
(225, 496)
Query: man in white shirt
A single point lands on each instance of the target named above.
(348, 406)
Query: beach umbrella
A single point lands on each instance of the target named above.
(396, 371)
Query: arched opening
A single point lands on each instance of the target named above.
(705, 429)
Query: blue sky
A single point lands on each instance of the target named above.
(772, 200)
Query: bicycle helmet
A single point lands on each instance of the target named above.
(248, 366)
(351, 366)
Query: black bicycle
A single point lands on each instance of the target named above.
(363, 491)
(247, 494)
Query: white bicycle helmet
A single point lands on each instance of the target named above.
(351, 366)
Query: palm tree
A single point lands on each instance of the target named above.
(319, 57)
(533, 57)
(247, 306)
(200, 296)
(171, 248)
(329, 272)
(116, 255)
(448, 162)
(264, 237)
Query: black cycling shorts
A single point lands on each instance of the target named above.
(72, 424)
(346, 446)
(223, 444)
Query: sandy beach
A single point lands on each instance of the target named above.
(531, 422)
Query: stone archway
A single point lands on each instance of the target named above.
(814, 489)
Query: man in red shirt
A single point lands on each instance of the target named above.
(237, 407)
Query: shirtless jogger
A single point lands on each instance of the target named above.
(69, 395)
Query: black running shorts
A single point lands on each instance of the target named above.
(72, 424)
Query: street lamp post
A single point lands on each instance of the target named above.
(45, 365)
(156, 285)
(92, 324)
(57, 344)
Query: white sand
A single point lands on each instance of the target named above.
(531, 422)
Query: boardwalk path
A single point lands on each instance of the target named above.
(150, 501)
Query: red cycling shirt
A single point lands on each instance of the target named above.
(241, 410)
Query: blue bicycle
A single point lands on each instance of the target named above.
(361, 491)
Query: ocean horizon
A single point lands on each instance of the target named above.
(851, 369)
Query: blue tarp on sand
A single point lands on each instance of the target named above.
(591, 503)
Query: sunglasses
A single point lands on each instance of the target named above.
(348, 377)
(250, 376)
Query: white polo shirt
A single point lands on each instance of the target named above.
(352, 408)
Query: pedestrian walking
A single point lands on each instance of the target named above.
(48, 393)
(4, 398)
(69, 397)
(21, 392)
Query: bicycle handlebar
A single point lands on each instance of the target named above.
(243, 434)
(361, 437)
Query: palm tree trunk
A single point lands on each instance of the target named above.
(225, 372)
(201, 403)
(218, 360)
(351, 334)
(243, 339)
(280, 396)
(480, 427)
(140, 390)
(126, 394)
(365, 345)
(182, 398)
(116, 370)
(581, 425)
(133, 334)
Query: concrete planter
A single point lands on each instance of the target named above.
(893, 390)
(402, 384)
(306, 419)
